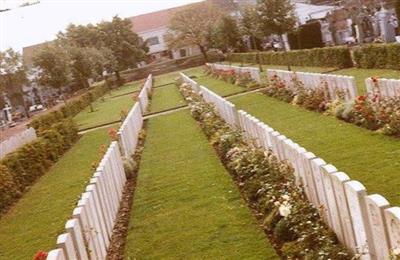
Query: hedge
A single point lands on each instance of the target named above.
(378, 56)
(70, 109)
(334, 57)
(20, 169)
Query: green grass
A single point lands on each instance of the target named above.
(220, 89)
(365, 156)
(165, 98)
(37, 219)
(127, 88)
(105, 111)
(186, 205)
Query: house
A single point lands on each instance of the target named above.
(152, 28)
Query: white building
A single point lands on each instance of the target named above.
(152, 27)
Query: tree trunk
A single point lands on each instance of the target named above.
(284, 49)
(204, 52)
(119, 79)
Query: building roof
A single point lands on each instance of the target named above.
(307, 12)
(151, 21)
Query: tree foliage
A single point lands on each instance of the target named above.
(54, 66)
(276, 16)
(397, 7)
(12, 77)
(193, 26)
(227, 34)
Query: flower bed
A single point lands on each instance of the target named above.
(292, 223)
(242, 79)
(374, 112)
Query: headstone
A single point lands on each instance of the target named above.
(74, 229)
(64, 242)
(392, 217)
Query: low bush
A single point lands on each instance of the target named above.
(293, 224)
(230, 76)
(20, 169)
(70, 109)
(378, 56)
(335, 57)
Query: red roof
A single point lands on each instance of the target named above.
(154, 20)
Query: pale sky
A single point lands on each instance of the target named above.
(24, 26)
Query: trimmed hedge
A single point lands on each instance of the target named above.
(20, 169)
(378, 56)
(335, 57)
(70, 109)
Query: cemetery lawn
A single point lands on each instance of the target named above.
(106, 111)
(126, 89)
(37, 219)
(186, 205)
(166, 97)
(368, 157)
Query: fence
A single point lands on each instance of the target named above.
(334, 83)
(365, 224)
(254, 72)
(88, 234)
(386, 87)
(193, 84)
(16, 141)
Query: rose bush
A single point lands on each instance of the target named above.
(242, 79)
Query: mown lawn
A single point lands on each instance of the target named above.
(365, 156)
(186, 205)
(106, 111)
(37, 219)
(166, 97)
(127, 88)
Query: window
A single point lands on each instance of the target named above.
(182, 53)
(152, 41)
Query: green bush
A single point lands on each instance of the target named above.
(70, 109)
(378, 56)
(335, 57)
(20, 169)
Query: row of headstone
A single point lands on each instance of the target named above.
(333, 83)
(144, 94)
(16, 141)
(253, 72)
(193, 84)
(129, 131)
(88, 234)
(384, 87)
(365, 224)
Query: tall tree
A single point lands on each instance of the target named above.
(249, 25)
(82, 36)
(125, 45)
(193, 26)
(81, 65)
(54, 66)
(227, 35)
(397, 7)
(276, 17)
(13, 77)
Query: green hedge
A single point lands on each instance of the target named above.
(70, 109)
(378, 56)
(335, 57)
(20, 169)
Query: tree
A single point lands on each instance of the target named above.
(13, 77)
(81, 65)
(276, 17)
(397, 7)
(82, 36)
(53, 66)
(124, 44)
(249, 25)
(193, 26)
(227, 35)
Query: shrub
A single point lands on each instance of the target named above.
(378, 56)
(335, 57)
(20, 169)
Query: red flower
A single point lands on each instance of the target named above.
(40, 255)
(361, 98)
(112, 133)
(375, 79)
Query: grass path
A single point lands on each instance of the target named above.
(37, 219)
(366, 156)
(166, 97)
(186, 205)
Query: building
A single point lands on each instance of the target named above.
(152, 28)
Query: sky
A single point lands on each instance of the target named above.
(25, 26)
